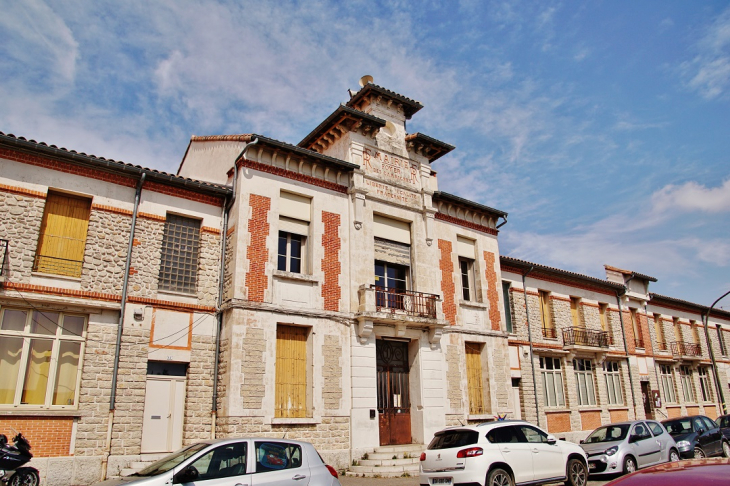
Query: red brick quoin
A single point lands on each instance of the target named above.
(257, 253)
(492, 294)
(331, 266)
(48, 436)
(447, 281)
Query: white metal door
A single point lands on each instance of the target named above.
(163, 414)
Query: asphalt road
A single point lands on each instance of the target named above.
(350, 481)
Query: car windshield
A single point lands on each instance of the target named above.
(609, 433)
(679, 426)
(168, 462)
(453, 438)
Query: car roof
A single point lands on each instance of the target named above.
(233, 440)
(486, 425)
(684, 417)
(682, 473)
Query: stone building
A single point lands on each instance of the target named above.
(66, 223)
(327, 291)
(607, 350)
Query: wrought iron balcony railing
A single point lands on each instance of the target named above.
(549, 332)
(411, 303)
(3, 255)
(57, 266)
(680, 348)
(574, 336)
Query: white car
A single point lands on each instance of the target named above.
(503, 453)
(239, 462)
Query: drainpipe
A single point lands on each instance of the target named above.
(529, 337)
(221, 278)
(720, 393)
(502, 224)
(127, 265)
(626, 346)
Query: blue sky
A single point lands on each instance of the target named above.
(602, 127)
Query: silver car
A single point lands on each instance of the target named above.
(627, 446)
(240, 462)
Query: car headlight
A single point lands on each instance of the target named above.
(611, 450)
(683, 444)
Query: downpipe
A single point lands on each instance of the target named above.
(118, 347)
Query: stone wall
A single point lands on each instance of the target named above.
(454, 393)
(105, 254)
(209, 264)
(253, 368)
(332, 372)
(20, 224)
(146, 254)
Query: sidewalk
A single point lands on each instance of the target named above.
(350, 481)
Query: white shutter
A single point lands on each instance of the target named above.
(465, 247)
(391, 229)
(295, 206)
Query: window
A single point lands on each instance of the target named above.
(613, 382)
(584, 381)
(659, 331)
(656, 428)
(685, 375)
(574, 311)
(63, 235)
(392, 280)
(222, 462)
(677, 330)
(641, 431)
(638, 339)
(548, 329)
(602, 313)
(667, 383)
(695, 332)
(40, 357)
(704, 384)
(466, 250)
(290, 252)
(504, 435)
(275, 456)
(294, 218)
(507, 307)
(552, 382)
(291, 397)
(466, 266)
(180, 247)
(721, 340)
(533, 435)
(474, 378)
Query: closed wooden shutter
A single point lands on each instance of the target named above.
(63, 235)
(291, 371)
(474, 379)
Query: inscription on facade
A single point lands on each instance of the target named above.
(389, 166)
(391, 193)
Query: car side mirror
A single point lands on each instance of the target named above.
(634, 438)
(187, 475)
(551, 440)
(700, 430)
(582, 441)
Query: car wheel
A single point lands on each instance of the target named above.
(726, 449)
(576, 472)
(499, 477)
(699, 453)
(629, 465)
(673, 455)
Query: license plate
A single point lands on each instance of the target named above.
(441, 481)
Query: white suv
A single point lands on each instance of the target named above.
(501, 453)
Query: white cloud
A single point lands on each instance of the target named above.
(709, 72)
(692, 196)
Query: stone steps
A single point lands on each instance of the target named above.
(144, 461)
(389, 462)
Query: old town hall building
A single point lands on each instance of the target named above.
(327, 290)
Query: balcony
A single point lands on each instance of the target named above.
(401, 308)
(3, 258)
(686, 350)
(57, 266)
(549, 333)
(575, 336)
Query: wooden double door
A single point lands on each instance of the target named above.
(394, 404)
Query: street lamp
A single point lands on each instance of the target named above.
(720, 393)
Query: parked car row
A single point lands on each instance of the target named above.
(513, 452)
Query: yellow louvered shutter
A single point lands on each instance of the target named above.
(474, 379)
(291, 371)
(63, 235)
